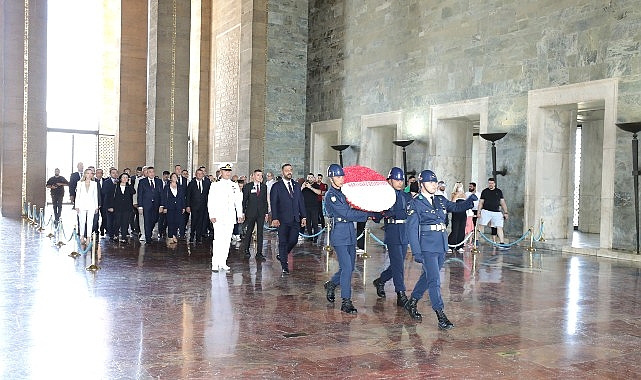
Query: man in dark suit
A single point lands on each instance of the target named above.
(288, 213)
(255, 210)
(149, 200)
(196, 201)
(108, 218)
(73, 182)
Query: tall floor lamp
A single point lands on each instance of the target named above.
(403, 144)
(340, 148)
(634, 128)
(494, 137)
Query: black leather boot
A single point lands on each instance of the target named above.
(347, 306)
(410, 306)
(380, 287)
(443, 322)
(329, 289)
(401, 299)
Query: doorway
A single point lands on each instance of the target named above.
(65, 148)
(553, 116)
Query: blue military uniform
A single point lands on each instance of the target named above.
(428, 239)
(396, 240)
(343, 237)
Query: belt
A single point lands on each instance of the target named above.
(395, 221)
(341, 220)
(432, 227)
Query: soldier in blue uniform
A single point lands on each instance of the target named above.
(342, 237)
(395, 238)
(428, 239)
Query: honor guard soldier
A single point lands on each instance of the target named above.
(395, 238)
(428, 239)
(342, 237)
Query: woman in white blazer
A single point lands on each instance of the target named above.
(86, 203)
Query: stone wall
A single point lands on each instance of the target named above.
(374, 56)
(286, 81)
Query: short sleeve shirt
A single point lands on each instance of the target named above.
(492, 199)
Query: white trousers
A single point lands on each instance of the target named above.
(220, 244)
(85, 222)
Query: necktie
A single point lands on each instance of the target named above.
(199, 187)
(432, 200)
(291, 190)
(257, 190)
(151, 182)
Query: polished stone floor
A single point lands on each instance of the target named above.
(153, 312)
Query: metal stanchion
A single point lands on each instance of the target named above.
(29, 215)
(25, 210)
(328, 247)
(531, 247)
(42, 218)
(542, 231)
(73, 254)
(35, 215)
(475, 246)
(93, 266)
(365, 255)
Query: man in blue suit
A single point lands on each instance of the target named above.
(288, 213)
(395, 238)
(149, 200)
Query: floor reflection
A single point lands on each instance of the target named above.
(154, 311)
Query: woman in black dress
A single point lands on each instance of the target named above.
(458, 219)
(121, 204)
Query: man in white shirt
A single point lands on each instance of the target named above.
(475, 208)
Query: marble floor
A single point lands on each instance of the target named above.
(153, 312)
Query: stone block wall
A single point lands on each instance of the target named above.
(373, 56)
(286, 83)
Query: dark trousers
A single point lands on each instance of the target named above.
(459, 219)
(321, 218)
(360, 228)
(57, 208)
(250, 222)
(287, 239)
(346, 255)
(134, 220)
(162, 224)
(394, 271)
(198, 220)
(312, 220)
(121, 222)
(111, 223)
(174, 220)
(185, 222)
(96, 220)
(151, 218)
(430, 279)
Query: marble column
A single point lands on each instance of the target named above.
(168, 87)
(131, 134)
(23, 74)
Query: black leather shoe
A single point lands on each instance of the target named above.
(443, 322)
(410, 306)
(278, 257)
(285, 271)
(329, 291)
(380, 287)
(348, 307)
(260, 257)
(401, 299)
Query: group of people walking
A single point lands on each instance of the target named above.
(417, 219)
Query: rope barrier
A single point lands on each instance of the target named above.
(379, 241)
(540, 232)
(80, 250)
(465, 239)
(504, 245)
(312, 236)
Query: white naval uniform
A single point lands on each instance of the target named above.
(225, 203)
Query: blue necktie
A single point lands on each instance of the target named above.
(291, 190)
